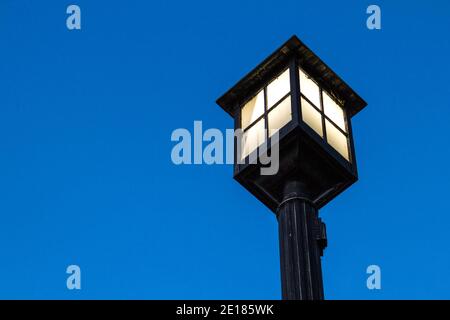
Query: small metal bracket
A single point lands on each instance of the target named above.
(321, 235)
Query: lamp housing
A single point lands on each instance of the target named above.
(294, 93)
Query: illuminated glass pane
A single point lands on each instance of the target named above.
(280, 116)
(278, 88)
(333, 111)
(253, 138)
(309, 88)
(252, 110)
(312, 117)
(337, 140)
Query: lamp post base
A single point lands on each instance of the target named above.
(302, 240)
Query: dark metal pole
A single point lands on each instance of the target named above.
(302, 240)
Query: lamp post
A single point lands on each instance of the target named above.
(294, 94)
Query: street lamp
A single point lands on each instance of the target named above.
(296, 95)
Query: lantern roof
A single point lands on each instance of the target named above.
(309, 61)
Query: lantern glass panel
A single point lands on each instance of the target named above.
(279, 116)
(333, 111)
(278, 88)
(337, 140)
(253, 138)
(309, 89)
(312, 117)
(252, 110)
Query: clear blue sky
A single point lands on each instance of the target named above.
(86, 176)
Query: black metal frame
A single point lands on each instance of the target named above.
(297, 134)
(238, 166)
(265, 113)
(297, 120)
(350, 164)
(324, 117)
(267, 110)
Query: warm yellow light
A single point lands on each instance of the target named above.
(311, 117)
(278, 88)
(255, 133)
(309, 88)
(280, 115)
(252, 110)
(337, 140)
(253, 138)
(333, 111)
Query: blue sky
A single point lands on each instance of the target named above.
(86, 176)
